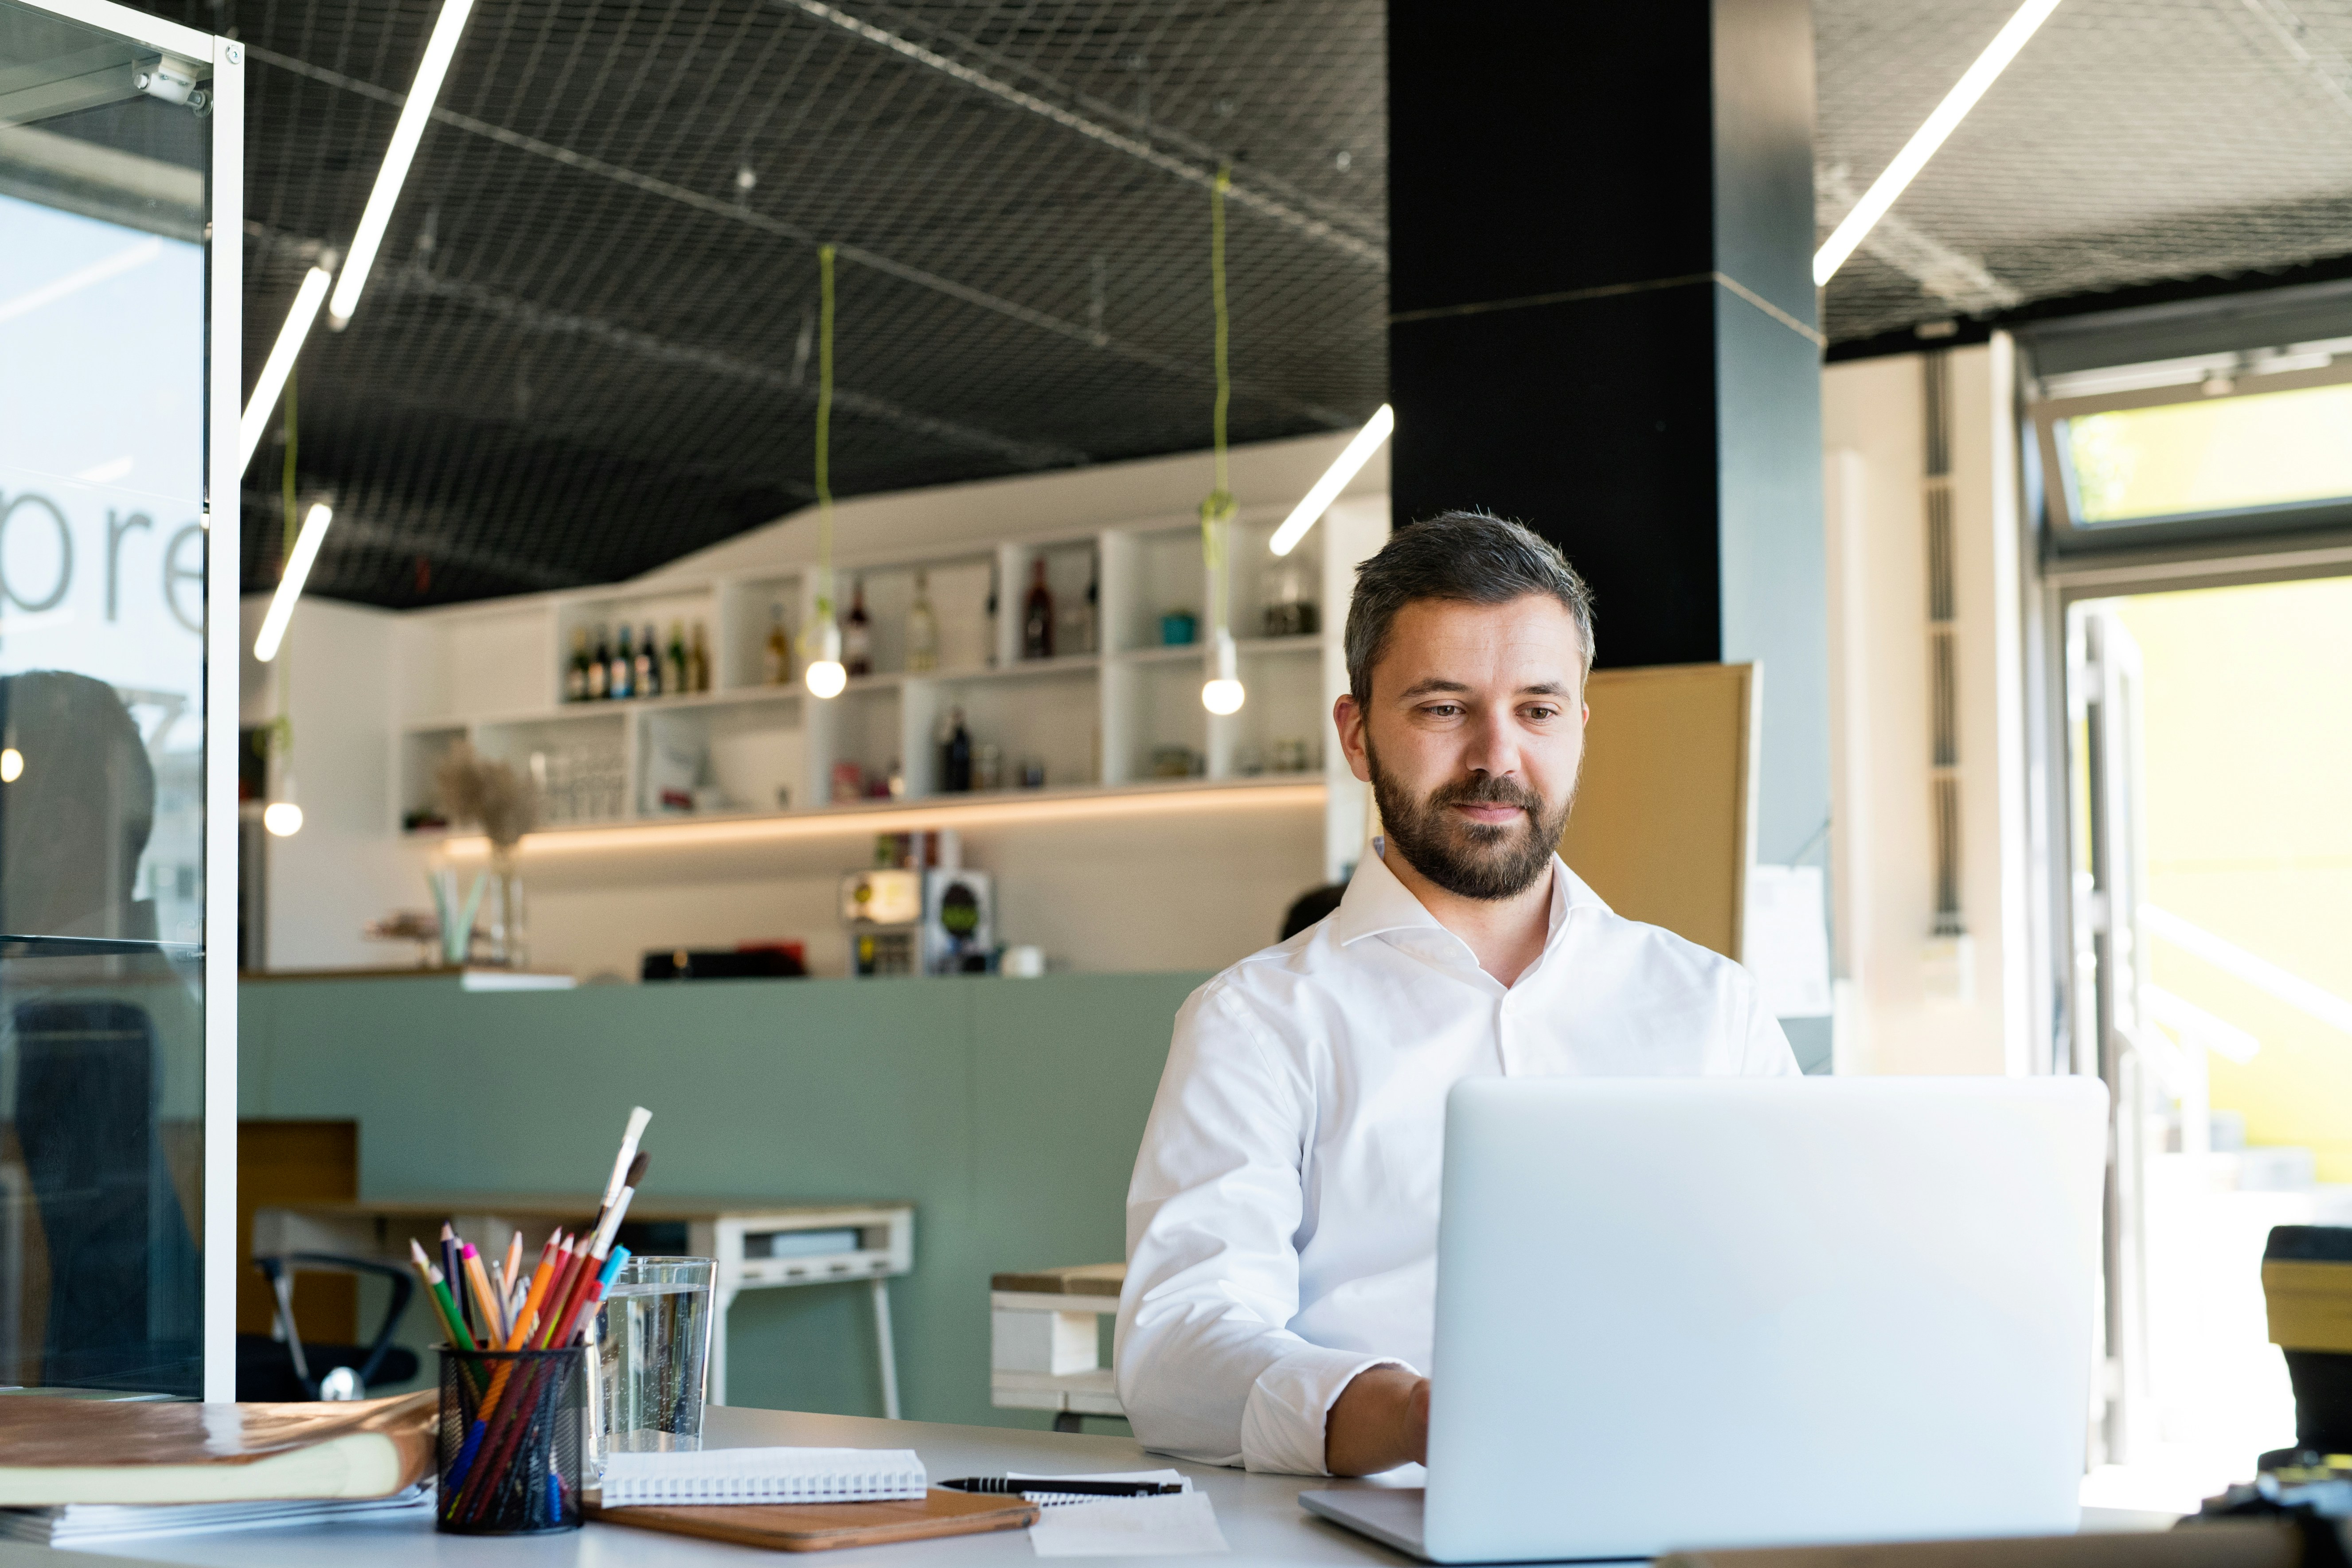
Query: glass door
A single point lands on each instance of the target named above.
(120, 202)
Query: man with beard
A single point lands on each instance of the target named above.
(1282, 1224)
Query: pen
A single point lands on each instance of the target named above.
(1012, 1486)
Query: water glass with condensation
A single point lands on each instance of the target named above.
(650, 1345)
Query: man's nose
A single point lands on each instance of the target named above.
(1491, 748)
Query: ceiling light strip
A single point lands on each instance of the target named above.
(1928, 138)
(407, 132)
(1344, 468)
(290, 587)
(281, 363)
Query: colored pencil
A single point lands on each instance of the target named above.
(514, 1256)
(451, 1271)
(493, 1331)
(535, 1295)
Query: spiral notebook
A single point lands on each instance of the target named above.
(723, 1476)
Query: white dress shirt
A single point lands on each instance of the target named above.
(1282, 1224)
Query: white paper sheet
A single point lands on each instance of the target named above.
(1178, 1526)
(1184, 1525)
(1787, 940)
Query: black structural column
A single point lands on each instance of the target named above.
(1602, 324)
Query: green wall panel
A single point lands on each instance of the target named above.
(1006, 1111)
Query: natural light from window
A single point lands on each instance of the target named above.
(2216, 455)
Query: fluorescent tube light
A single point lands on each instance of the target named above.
(281, 363)
(439, 51)
(1344, 468)
(1928, 137)
(290, 587)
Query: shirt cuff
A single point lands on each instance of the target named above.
(1282, 1425)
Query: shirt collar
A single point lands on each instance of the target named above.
(1376, 904)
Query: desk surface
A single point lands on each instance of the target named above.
(1259, 1514)
(573, 1206)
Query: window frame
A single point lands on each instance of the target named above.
(2069, 534)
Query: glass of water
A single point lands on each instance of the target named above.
(652, 1350)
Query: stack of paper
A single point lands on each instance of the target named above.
(81, 1524)
(1182, 1525)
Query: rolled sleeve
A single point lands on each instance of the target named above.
(1283, 1426)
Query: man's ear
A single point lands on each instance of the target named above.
(1347, 718)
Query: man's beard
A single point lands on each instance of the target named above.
(1471, 860)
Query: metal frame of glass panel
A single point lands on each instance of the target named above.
(223, 244)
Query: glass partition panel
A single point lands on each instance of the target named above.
(104, 151)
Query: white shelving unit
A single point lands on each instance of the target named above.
(1114, 715)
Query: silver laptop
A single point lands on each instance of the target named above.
(1695, 1312)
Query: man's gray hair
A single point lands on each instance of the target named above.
(1468, 557)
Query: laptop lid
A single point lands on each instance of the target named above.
(1693, 1312)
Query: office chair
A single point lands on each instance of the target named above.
(283, 1369)
(123, 1270)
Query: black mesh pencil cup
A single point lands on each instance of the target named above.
(512, 1430)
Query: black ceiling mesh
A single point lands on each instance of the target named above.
(2131, 142)
(587, 348)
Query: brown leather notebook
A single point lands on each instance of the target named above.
(55, 1451)
(822, 1526)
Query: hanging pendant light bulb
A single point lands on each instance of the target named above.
(282, 816)
(825, 674)
(1222, 692)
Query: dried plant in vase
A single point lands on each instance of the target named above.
(475, 789)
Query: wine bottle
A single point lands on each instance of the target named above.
(600, 668)
(776, 656)
(1037, 618)
(955, 755)
(698, 662)
(649, 664)
(624, 667)
(675, 677)
(989, 652)
(575, 676)
(922, 629)
(857, 634)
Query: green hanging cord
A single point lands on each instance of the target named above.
(1217, 511)
(825, 433)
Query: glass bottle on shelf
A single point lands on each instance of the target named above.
(674, 674)
(698, 662)
(600, 668)
(622, 683)
(1077, 635)
(922, 628)
(955, 755)
(776, 655)
(575, 675)
(649, 664)
(1037, 616)
(988, 652)
(857, 634)
(1290, 611)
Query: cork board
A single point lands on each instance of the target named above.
(1665, 807)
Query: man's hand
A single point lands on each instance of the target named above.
(1379, 1421)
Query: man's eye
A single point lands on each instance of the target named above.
(1441, 710)
(1542, 714)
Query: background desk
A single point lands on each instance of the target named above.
(1006, 1112)
(752, 1243)
(1259, 1514)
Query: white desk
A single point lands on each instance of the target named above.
(1259, 1515)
